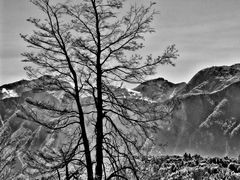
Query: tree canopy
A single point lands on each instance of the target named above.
(89, 49)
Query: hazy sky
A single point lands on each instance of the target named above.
(206, 33)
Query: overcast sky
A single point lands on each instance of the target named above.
(206, 33)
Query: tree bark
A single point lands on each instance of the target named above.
(99, 105)
(86, 144)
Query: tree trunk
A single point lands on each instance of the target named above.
(67, 172)
(86, 146)
(84, 135)
(99, 129)
(99, 105)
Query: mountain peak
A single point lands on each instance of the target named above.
(159, 89)
(213, 79)
(14, 84)
(159, 80)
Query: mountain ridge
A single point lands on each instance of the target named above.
(193, 126)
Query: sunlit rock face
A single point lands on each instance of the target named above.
(213, 79)
(22, 134)
(206, 117)
(28, 134)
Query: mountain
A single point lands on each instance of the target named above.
(159, 89)
(18, 134)
(213, 79)
(206, 116)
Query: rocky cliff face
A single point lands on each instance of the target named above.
(18, 134)
(213, 79)
(206, 116)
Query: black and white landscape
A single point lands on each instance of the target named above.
(204, 120)
(119, 90)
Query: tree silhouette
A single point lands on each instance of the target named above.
(88, 50)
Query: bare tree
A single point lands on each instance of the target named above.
(91, 46)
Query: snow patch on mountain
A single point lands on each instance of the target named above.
(173, 93)
(134, 93)
(7, 93)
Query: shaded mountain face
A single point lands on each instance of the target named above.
(206, 115)
(159, 89)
